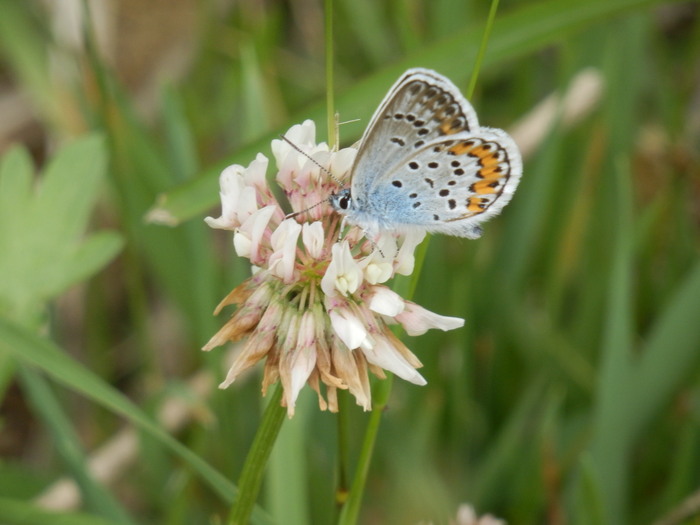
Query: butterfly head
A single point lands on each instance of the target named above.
(342, 201)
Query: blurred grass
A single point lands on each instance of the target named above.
(570, 396)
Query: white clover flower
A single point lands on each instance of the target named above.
(315, 309)
(343, 274)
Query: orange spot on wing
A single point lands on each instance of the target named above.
(492, 172)
(489, 161)
(476, 204)
(447, 128)
(483, 187)
(462, 148)
(481, 151)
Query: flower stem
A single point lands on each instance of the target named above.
(342, 485)
(380, 395)
(254, 468)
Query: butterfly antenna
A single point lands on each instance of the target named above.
(294, 214)
(322, 168)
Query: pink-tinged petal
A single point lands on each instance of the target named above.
(301, 367)
(284, 245)
(343, 274)
(231, 183)
(416, 320)
(351, 367)
(313, 237)
(255, 227)
(286, 167)
(255, 173)
(247, 203)
(310, 171)
(303, 136)
(405, 260)
(383, 354)
(296, 366)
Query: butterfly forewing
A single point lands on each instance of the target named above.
(421, 107)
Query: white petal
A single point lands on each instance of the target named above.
(342, 161)
(349, 328)
(416, 320)
(303, 136)
(284, 243)
(405, 260)
(241, 243)
(378, 266)
(385, 355)
(386, 302)
(343, 274)
(247, 203)
(231, 185)
(376, 273)
(312, 236)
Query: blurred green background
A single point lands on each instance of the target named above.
(572, 395)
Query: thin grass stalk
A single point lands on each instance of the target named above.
(330, 99)
(254, 467)
(482, 49)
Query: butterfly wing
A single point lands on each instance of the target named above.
(447, 186)
(425, 163)
(421, 107)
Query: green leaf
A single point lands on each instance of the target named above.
(42, 227)
(47, 407)
(35, 351)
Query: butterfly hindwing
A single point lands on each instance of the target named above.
(422, 106)
(448, 186)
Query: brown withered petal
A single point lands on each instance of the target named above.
(236, 296)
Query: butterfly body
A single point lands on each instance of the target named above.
(425, 163)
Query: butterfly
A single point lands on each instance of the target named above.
(424, 163)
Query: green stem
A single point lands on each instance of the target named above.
(342, 486)
(351, 509)
(482, 49)
(254, 468)
(330, 100)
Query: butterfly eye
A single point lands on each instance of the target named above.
(344, 202)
